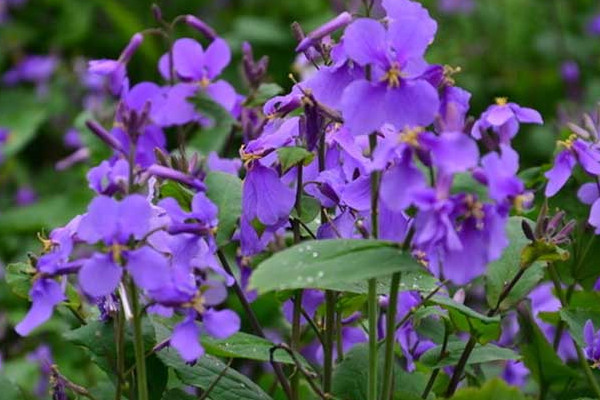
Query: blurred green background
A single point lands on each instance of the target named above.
(512, 48)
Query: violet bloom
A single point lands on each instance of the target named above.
(42, 356)
(45, 295)
(504, 118)
(25, 196)
(592, 343)
(113, 223)
(116, 70)
(569, 71)
(576, 151)
(397, 92)
(35, 69)
(193, 63)
(226, 165)
(515, 373)
(265, 197)
(219, 324)
(500, 172)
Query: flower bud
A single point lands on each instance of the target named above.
(132, 46)
(324, 30)
(200, 26)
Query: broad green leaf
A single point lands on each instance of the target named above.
(481, 354)
(18, 276)
(213, 137)
(244, 345)
(494, 389)
(501, 272)
(540, 358)
(329, 264)
(225, 190)
(292, 156)
(231, 386)
(181, 194)
(158, 376)
(468, 320)
(9, 390)
(265, 92)
(22, 113)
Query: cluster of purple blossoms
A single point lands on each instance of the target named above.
(373, 107)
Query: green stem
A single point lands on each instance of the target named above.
(328, 340)
(138, 344)
(295, 341)
(120, 348)
(372, 315)
(372, 304)
(388, 365)
(582, 360)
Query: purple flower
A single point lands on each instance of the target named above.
(504, 118)
(265, 197)
(45, 294)
(594, 26)
(116, 70)
(35, 68)
(500, 174)
(592, 343)
(192, 63)
(396, 92)
(25, 196)
(576, 152)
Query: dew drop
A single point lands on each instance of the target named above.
(315, 254)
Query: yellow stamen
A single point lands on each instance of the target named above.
(204, 82)
(247, 157)
(410, 136)
(449, 71)
(392, 76)
(501, 101)
(568, 143)
(46, 243)
(522, 200)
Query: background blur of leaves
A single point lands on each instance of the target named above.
(510, 48)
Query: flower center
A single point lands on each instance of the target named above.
(523, 201)
(449, 72)
(410, 136)
(501, 101)
(204, 82)
(392, 76)
(475, 210)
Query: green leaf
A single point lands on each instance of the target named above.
(244, 345)
(291, 156)
(326, 264)
(231, 386)
(225, 190)
(265, 92)
(468, 320)
(158, 376)
(494, 389)
(309, 211)
(22, 113)
(480, 354)
(181, 194)
(9, 390)
(501, 272)
(540, 358)
(576, 318)
(18, 276)
(211, 138)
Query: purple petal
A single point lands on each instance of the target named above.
(149, 268)
(223, 93)
(101, 220)
(357, 194)
(221, 324)
(414, 103)
(455, 152)
(99, 276)
(365, 41)
(594, 218)
(265, 196)
(560, 172)
(588, 333)
(588, 193)
(45, 294)
(185, 340)
(217, 57)
(134, 216)
(527, 115)
(411, 32)
(362, 107)
(399, 184)
(498, 115)
(189, 58)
